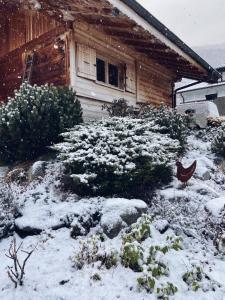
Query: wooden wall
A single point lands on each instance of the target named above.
(154, 82)
(21, 27)
(49, 67)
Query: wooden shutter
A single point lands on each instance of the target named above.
(131, 78)
(86, 62)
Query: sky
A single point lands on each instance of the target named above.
(196, 22)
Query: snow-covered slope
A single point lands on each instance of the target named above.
(193, 213)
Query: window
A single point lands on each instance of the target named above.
(110, 73)
(100, 66)
(104, 70)
(211, 97)
(113, 75)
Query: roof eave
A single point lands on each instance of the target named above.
(213, 75)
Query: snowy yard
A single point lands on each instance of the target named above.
(189, 214)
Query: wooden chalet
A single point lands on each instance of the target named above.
(104, 49)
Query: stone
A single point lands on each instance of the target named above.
(206, 176)
(161, 225)
(112, 230)
(200, 112)
(37, 170)
(118, 213)
(215, 206)
(80, 216)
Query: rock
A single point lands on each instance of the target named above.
(118, 213)
(112, 230)
(37, 170)
(215, 206)
(161, 225)
(80, 216)
(206, 176)
(200, 112)
(81, 225)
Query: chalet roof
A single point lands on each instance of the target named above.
(145, 14)
(130, 23)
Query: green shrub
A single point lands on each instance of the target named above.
(34, 118)
(132, 256)
(92, 251)
(168, 119)
(119, 108)
(146, 282)
(140, 230)
(121, 156)
(166, 290)
(218, 144)
(170, 122)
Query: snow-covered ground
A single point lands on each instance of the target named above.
(192, 213)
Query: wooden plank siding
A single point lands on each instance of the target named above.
(57, 61)
(153, 81)
(49, 65)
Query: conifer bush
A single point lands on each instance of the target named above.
(168, 119)
(118, 156)
(34, 118)
(218, 143)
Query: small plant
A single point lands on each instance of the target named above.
(139, 231)
(193, 278)
(165, 290)
(162, 291)
(119, 108)
(92, 251)
(175, 243)
(17, 271)
(96, 277)
(146, 282)
(132, 256)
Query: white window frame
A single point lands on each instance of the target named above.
(120, 66)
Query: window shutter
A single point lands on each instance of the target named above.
(131, 78)
(86, 62)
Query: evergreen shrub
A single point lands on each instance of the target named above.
(218, 143)
(119, 156)
(168, 119)
(34, 118)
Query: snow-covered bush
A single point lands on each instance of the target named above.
(7, 211)
(119, 108)
(93, 251)
(34, 118)
(140, 230)
(218, 144)
(197, 279)
(120, 156)
(132, 256)
(168, 119)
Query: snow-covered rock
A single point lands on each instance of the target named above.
(201, 111)
(215, 206)
(36, 218)
(37, 170)
(117, 213)
(161, 225)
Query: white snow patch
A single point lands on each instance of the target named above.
(215, 206)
